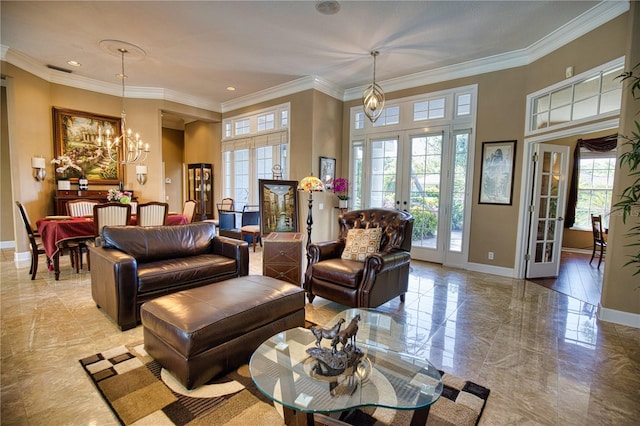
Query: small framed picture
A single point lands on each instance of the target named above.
(327, 171)
(496, 172)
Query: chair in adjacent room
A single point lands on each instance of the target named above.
(368, 264)
(34, 241)
(250, 226)
(189, 210)
(153, 213)
(110, 214)
(598, 238)
(227, 224)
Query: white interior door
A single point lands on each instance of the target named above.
(547, 210)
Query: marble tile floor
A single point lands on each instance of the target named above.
(545, 356)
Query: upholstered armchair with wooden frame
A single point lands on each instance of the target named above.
(379, 274)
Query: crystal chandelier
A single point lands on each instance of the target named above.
(373, 96)
(132, 148)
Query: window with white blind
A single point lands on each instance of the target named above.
(595, 187)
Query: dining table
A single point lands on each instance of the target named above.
(58, 231)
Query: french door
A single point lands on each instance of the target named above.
(426, 174)
(547, 210)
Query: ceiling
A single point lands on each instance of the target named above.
(195, 49)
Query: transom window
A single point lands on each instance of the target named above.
(595, 93)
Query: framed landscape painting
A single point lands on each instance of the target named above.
(75, 138)
(496, 173)
(278, 205)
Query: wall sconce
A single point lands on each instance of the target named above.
(141, 174)
(38, 166)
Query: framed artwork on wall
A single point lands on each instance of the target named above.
(278, 205)
(496, 172)
(78, 150)
(327, 171)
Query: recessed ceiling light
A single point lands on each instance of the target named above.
(74, 63)
(231, 89)
(328, 7)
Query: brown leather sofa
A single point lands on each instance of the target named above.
(131, 265)
(381, 277)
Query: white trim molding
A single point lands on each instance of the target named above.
(618, 317)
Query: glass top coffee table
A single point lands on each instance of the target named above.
(283, 370)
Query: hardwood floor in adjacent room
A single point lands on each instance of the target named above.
(577, 278)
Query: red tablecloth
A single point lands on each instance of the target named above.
(56, 232)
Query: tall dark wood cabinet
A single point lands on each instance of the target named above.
(200, 182)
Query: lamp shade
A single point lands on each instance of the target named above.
(37, 163)
(141, 170)
(311, 184)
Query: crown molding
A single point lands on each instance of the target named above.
(299, 85)
(588, 21)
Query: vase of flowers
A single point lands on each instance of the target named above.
(117, 196)
(65, 167)
(341, 189)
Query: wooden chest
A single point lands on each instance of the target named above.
(282, 256)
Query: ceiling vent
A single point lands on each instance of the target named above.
(53, 67)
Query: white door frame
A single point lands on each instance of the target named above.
(527, 180)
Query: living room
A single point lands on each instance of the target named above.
(501, 109)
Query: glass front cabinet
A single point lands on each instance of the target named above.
(201, 189)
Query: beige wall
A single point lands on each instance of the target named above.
(7, 207)
(173, 156)
(620, 288)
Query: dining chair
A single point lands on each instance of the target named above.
(153, 213)
(34, 241)
(189, 210)
(80, 207)
(110, 214)
(598, 238)
(227, 204)
(250, 225)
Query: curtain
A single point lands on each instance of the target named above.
(604, 144)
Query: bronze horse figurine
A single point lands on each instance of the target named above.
(326, 333)
(347, 334)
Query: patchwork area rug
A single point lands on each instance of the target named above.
(141, 392)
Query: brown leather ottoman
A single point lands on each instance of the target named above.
(200, 333)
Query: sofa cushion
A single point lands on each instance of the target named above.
(177, 272)
(344, 272)
(147, 244)
(361, 243)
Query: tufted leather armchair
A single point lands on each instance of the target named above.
(383, 275)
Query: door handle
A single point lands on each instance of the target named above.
(560, 219)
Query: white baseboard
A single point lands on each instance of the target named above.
(576, 250)
(494, 270)
(7, 244)
(22, 256)
(618, 317)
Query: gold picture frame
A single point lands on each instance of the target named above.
(279, 205)
(75, 135)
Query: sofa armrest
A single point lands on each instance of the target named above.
(114, 284)
(385, 276)
(234, 249)
(325, 250)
